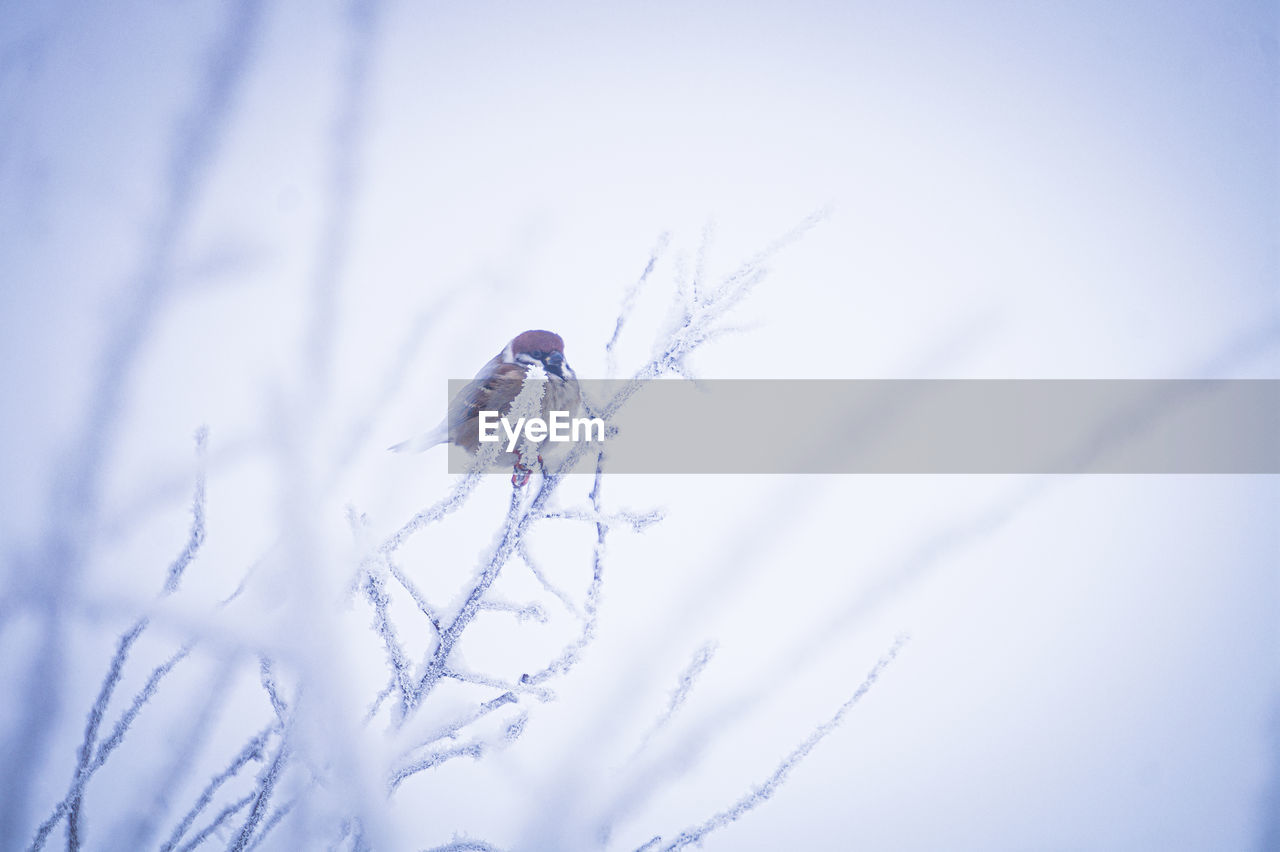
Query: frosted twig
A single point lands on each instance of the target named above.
(376, 591)
(527, 403)
(115, 668)
(196, 537)
(144, 695)
(696, 327)
(114, 672)
(697, 319)
(182, 757)
(522, 550)
(523, 687)
(251, 751)
(449, 503)
(160, 494)
(382, 696)
(681, 299)
(267, 678)
(465, 845)
(473, 749)
(523, 612)
(451, 730)
(272, 821)
(573, 651)
(266, 786)
(638, 521)
(765, 790)
(700, 268)
(734, 287)
(680, 694)
(513, 528)
(629, 302)
(374, 586)
(72, 798)
(218, 821)
(418, 598)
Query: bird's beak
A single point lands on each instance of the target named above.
(555, 364)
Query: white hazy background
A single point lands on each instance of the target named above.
(294, 223)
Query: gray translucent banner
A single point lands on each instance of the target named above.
(966, 426)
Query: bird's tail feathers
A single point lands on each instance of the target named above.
(425, 441)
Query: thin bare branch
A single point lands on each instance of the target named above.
(762, 792)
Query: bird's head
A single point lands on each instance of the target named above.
(543, 347)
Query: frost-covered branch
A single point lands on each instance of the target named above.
(629, 302)
(181, 758)
(222, 818)
(763, 791)
(115, 668)
(522, 550)
(522, 612)
(396, 659)
(452, 729)
(473, 749)
(267, 781)
(637, 521)
(196, 537)
(72, 800)
(465, 845)
(252, 751)
(114, 671)
(573, 651)
(524, 687)
(267, 678)
(684, 686)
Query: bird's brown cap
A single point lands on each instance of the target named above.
(537, 341)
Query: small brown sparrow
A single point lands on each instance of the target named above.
(496, 386)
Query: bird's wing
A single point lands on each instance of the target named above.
(492, 390)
